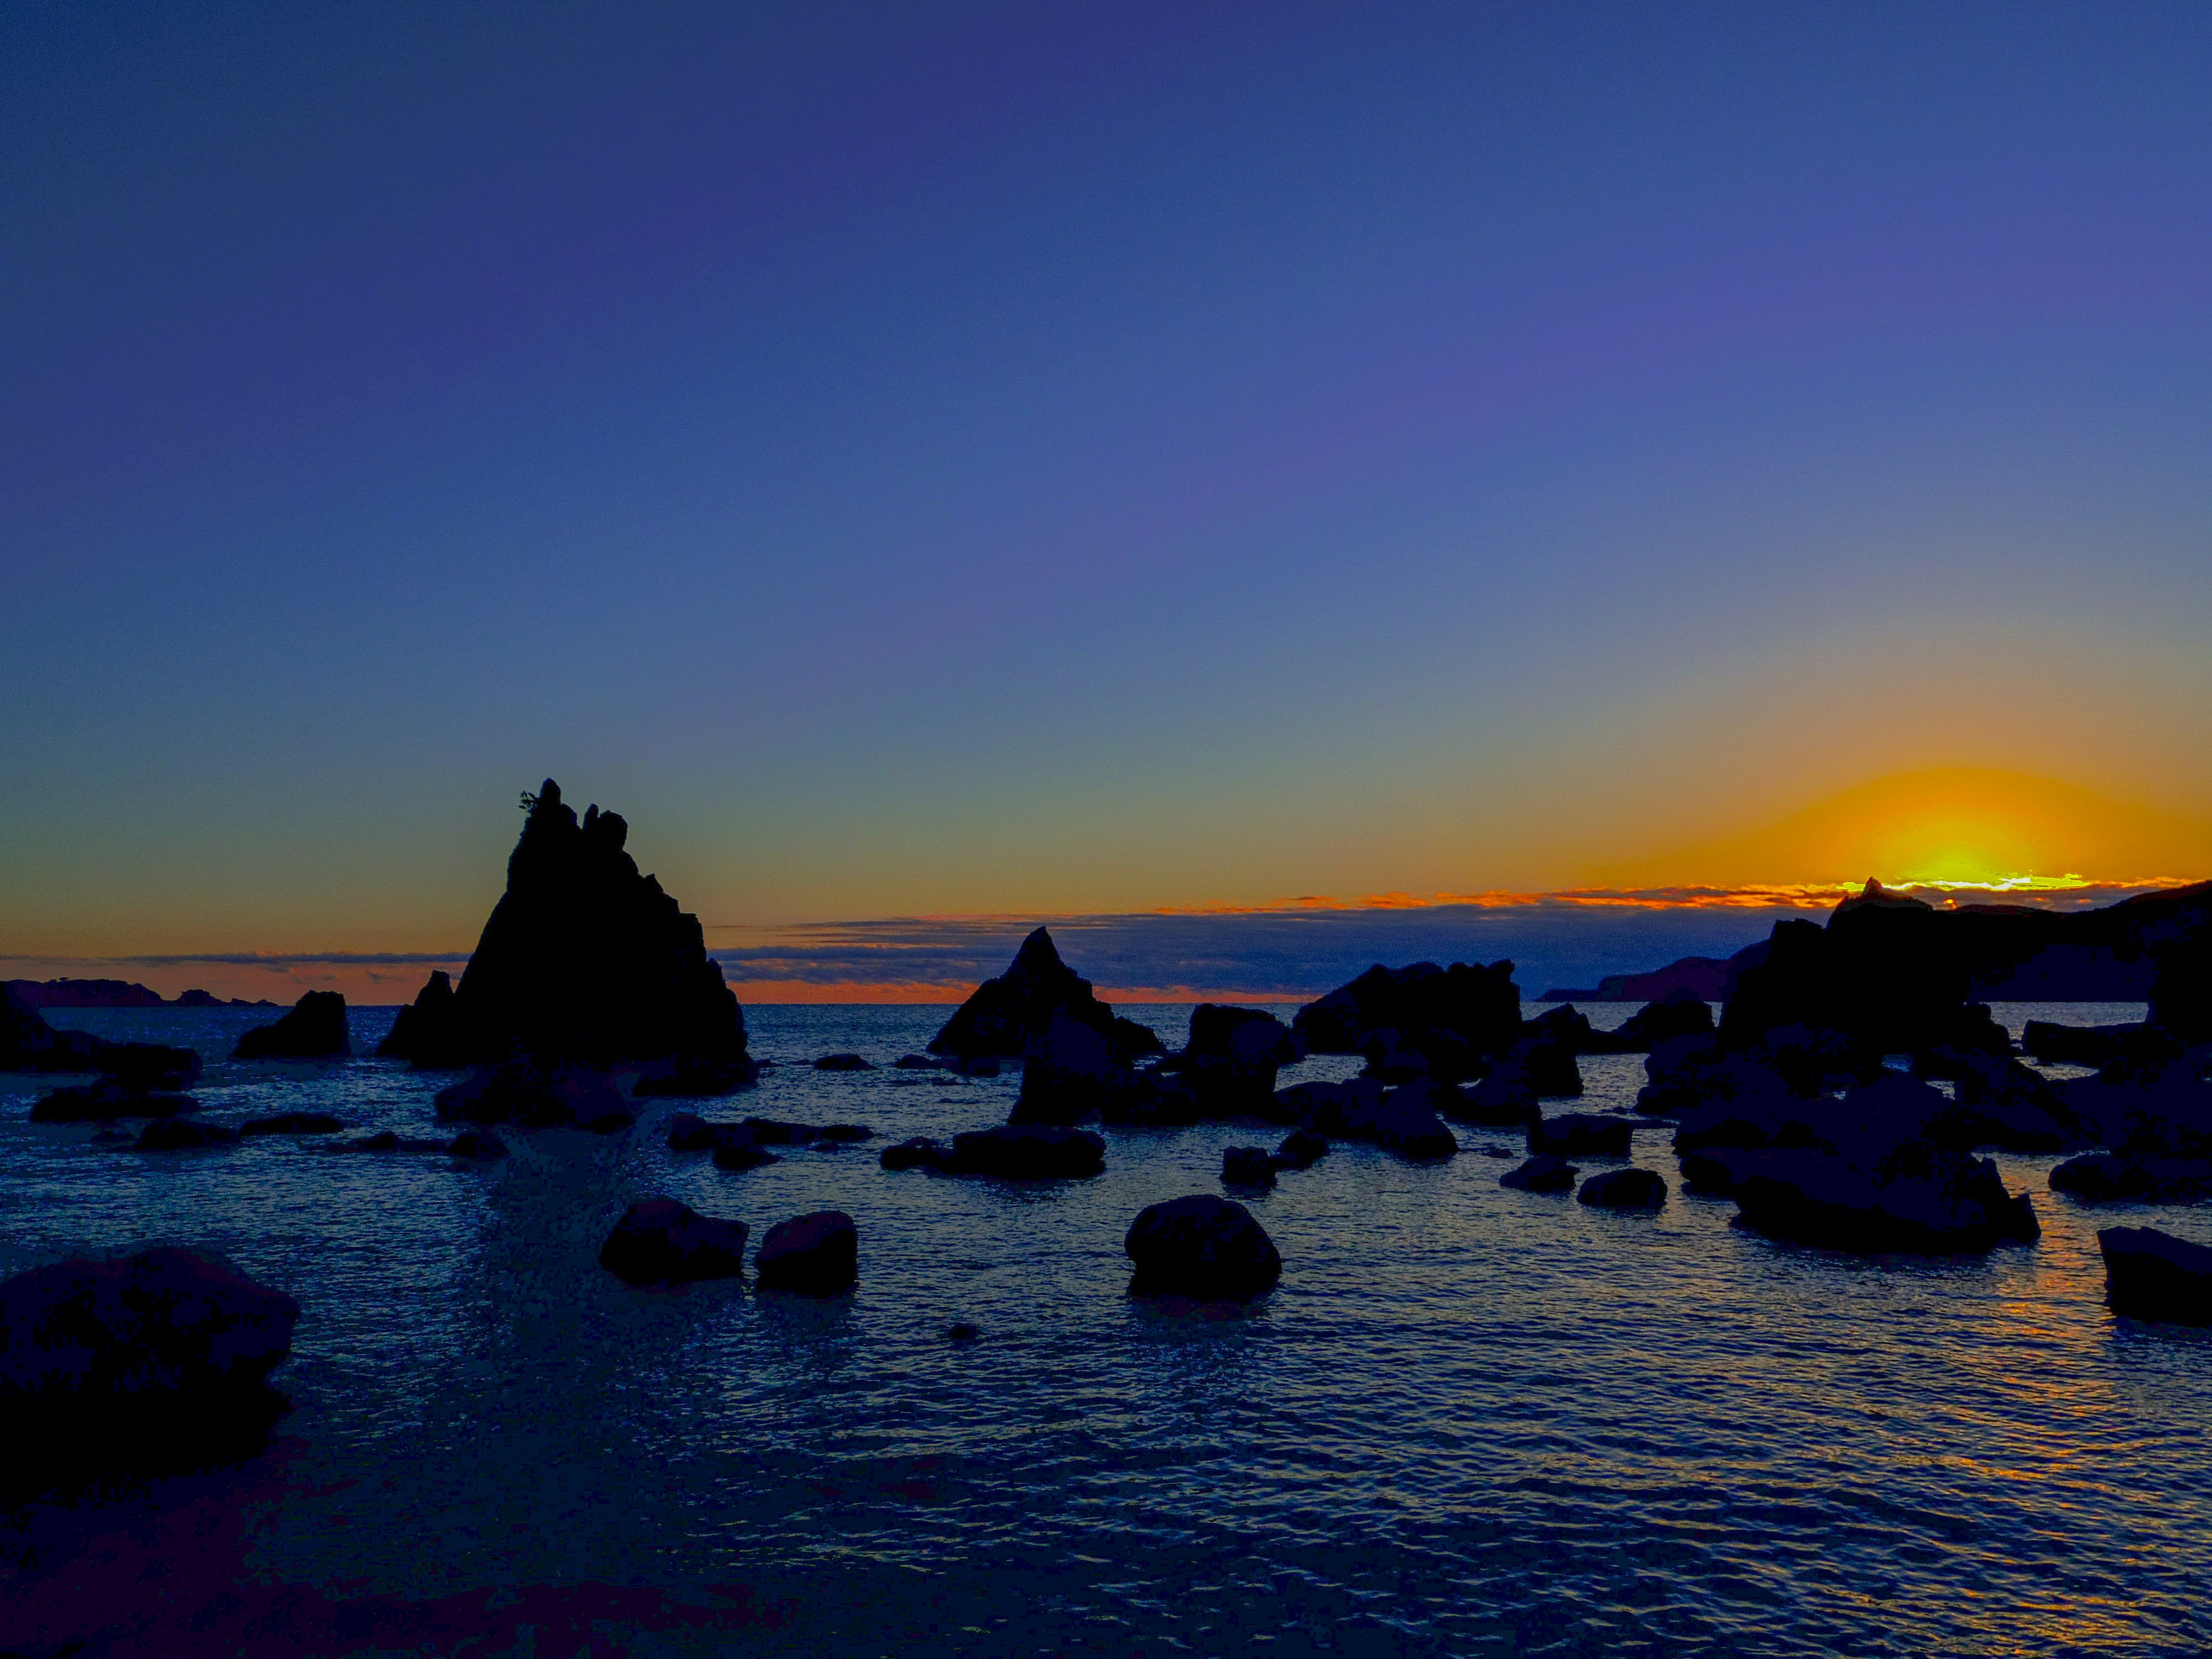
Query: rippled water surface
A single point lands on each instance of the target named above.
(1468, 1421)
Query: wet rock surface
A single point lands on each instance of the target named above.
(816, 1255)
(2149, 1274)
(663, 1241)
(1202, 1248)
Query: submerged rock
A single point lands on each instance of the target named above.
(688, 1132)
(1542, 1173)
(293, 1123)
(2149, 1274)
(1003, 1016)
(776, 1132)
(844, 1063)
(1204, 1247)
(148, 1365)
(181, 1134)
(919, 1153)
(663, 1241)
(1028, 1152)
(1623, 1190)
(1248, 1166)
(536, 1093)
(817, 1254)
(314, 1029)
(1581, 1134)
(106, 1101)
(734, 1157)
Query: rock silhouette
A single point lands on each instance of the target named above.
(663, 1241)
(105, 1102)
(182, 1134)
(1068, 1070)
(816, 1255)
(1679, 1014)
(1543, 1173)
(293, 1123)
(314, 1029)
(584, 959)
(1003, 1016)
(1028, 1152)
(1203, 1248)
(148, 1365)
(2149, 1274)
(28, 1044)
(535, 1093)
(1581, 1134)
(1623, 1190)
(1403, 1121)
(1232, 1057)
(1301, 1150)
(1455, 1017)
(1248, 1166)
(428, 1030)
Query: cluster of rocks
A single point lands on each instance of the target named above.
(663, 1242)
(744, 1146)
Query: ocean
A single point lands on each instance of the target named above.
(1468, 1421)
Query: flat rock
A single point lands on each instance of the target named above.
(847, 1062)
(817, 1254)
(2149, 1274)
(1028, 1152)
(1623, 1190)
(1301, 1150)
(663, 1241)
(1204, 1247)
(1542, 1173)
(179, 1135)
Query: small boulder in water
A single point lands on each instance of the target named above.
(736, 1157)
(919, 1153)
(1623, 1190)
(314, 1029)
(1301, 1150)
(1206, 1249)
(663, 1241)
(690, 1133)
(2149, 1274)
(106, 1101)
(1542, 1173)
(844, 1063)
(1028, 1153)
(293, 1123)
(1246, 1166)
(817, 1254)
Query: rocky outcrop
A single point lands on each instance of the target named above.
(692, 1077)
(1005, 1015)
(1455, 1018)
(28, 1044)
(1202, 1248)
(1581, 1134)
(535, 1093)
(84, 993)
(1403, 1121)
(2149, 1274)
(584, 959)
(1623, 1190)
(817, 1254)
(428, 1031)
(1069, 1071)
(1232, 1058)
(663, 1241)
(2158, 1129)
(1543, 1173)
(1679, 1014)
(1248, 1166)
(314, 1029)
(147, 1365)
(1301, 1150)
(1913, 1198)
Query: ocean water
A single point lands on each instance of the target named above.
(1468, 1421)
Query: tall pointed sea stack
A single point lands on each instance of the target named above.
(584, 959)
(1005, 1015)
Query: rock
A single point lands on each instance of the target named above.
(314, 1029)
(2149, 1274)
(1506, 1099)
(1232, 1058)
(919, 1153)
(961, 1332)
(694, 1076)
(1680, 1013)
(1581, 1134)
(1546, 1056)
(2158, 1129)
(736, 1157)
(1566, 1027)
(1301, 1150)
(1913, 1197)
(662, 1241)
(387, 1141)
(1457, 1017)
(28, 1044)
(1447, 1101)
(1246, 1166)
(1623, 1190)
(1005, 1015)
(2001, 1102)
(1542, 1173)
(179, 1135)
(843, 1063)
(1206, 1249)
(2077, 1045)
(106, 1101)
(775, 1132)
(481, 1145)
(1149, 1098)
(535, 1093)
(2181, 994)
(1067, 1072)
(147, 1065)
(1401, 1120)
(1028, 1152)
(586, 959)
(1712, 1172)
(817, 1254)
(688, 1132)
(293, 1123)
(152, 1364)
(916, 1063)
(428, 1031)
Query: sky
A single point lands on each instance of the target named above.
(925, 462)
